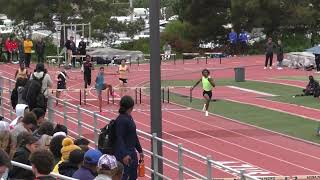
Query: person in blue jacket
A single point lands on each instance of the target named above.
(127, 142)
(243, 38)
(233, 37)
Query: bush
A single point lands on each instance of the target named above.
(137, 45)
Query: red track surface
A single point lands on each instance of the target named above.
(260, 152)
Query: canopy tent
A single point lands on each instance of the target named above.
(314, 50)
(110, 53)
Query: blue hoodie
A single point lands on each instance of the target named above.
(243, 37)
(233, 37)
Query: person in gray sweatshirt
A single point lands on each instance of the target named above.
(269, 49)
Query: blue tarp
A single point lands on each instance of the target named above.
(314, 50)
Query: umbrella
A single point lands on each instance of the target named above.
(314, 50)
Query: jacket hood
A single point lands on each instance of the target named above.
(38, 74)
(20, 110)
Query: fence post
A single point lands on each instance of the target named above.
(242, 175)
(10, 84)
(209, 168)
(180, 161)
(11, 114)
(65, 117)
(155, 156)
(50, 108)
(95, 130)
(79, 121)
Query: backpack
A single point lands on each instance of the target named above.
(107, 138)
(32, 93)
(14, 98)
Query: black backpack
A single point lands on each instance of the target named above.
(14, 98)
(32, 93)
(107, 138)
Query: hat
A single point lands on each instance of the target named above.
(67, 148)
(59, 134)
(107, 162)
(92, 157)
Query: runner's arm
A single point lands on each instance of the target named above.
(15, 76)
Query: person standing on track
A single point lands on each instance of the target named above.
(87, 67)
(207, 85)
(61, 83)
(269, 49)
(101, 85)
(122, 71)
(22, 72)
(27, 45)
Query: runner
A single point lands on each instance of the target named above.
(61, 83)
(86, 68)
(122, 71)
(100, 86)
(22, 72)
(207, 85)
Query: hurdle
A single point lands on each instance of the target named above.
(195, 55)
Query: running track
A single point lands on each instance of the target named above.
(237, 145)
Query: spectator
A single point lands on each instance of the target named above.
(40, 114)
(60, 128)
(233, 42)
(279, 54)
(70, 46)
(5, 138)
(46, 82)
(109, 168)
(312, 87)
(22, 72)
(27, 146)
(21, 109)
(16, 94)
(82, 48)
(11, 47)
(27, 124)
(1, 48)
(69, 167)
(127, 139)
(44, 134)
(243, 38)
(5, 164)
(21, 52)
(67, 147)
(269, 49)
(42, 164)
(167, 51)
(55, 147)
(317, 60)
(27, 44)
(88, 170)
(40, 49)
(83, 143)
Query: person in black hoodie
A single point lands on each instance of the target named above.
(67, 168)
(127, 139)
(27, 145)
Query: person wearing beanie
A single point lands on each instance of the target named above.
(67, 147)
(69, 167)
(109, 168)
(88, 170)
(55, 147)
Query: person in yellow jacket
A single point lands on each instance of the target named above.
(27, 44)
(207, 86)
(67, 147)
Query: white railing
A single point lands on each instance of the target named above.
(94, 121)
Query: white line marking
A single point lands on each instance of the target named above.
(252, 91)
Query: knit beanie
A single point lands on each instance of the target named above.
(67, 147)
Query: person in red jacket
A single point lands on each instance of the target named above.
(11, 47)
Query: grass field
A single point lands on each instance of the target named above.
(276, 121)
(297, 78)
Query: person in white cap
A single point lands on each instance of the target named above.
(109, 168)
(82, 49)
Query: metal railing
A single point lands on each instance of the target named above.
(27, 167)
(85, 123)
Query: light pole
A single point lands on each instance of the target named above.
(155, 79)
